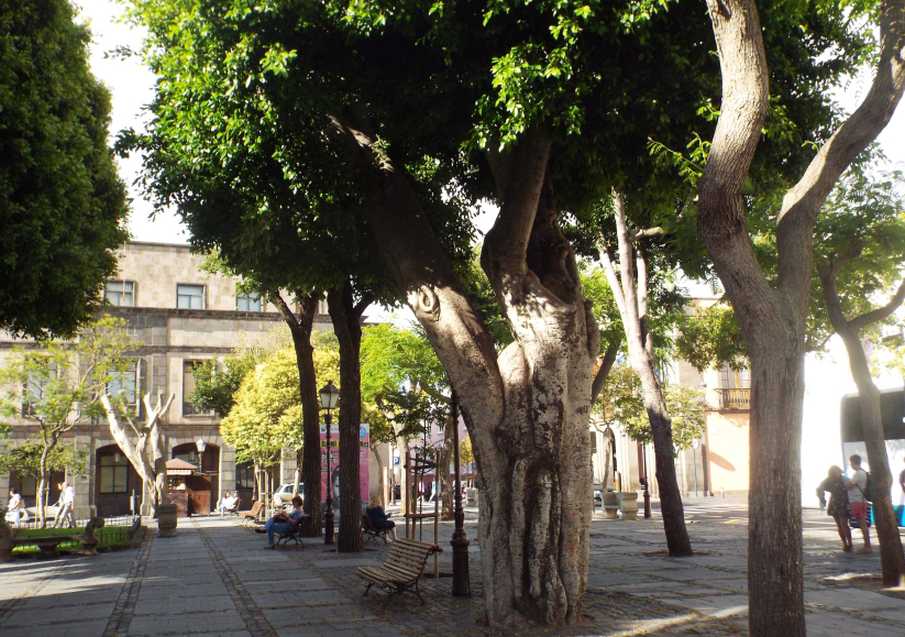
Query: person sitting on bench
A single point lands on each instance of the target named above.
(379, 519)
(282, 523)
(229, 503)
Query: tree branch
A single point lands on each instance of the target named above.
(606, 365)
(803, 201)
(882, 313)
(419, 265)
(722, 211)
(657, 231)
(366, 299)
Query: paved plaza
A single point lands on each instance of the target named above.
(217, 578)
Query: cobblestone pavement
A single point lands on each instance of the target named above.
(216, 578)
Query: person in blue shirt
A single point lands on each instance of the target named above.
(282, 523)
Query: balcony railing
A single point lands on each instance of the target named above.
(735, 398)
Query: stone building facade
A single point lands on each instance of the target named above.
(182, 315)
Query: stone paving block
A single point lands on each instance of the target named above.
(53, 617)
(841, 625)
(186, 624)
(718, 605)
(183, 605)
(853, 599)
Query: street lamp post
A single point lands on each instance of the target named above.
(329, 396)
(461, 581)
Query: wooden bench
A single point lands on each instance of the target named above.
(256, 509)
(370, 532)
(401, 569)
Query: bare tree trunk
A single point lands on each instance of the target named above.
(381, 477)
(42, 486)
(892, 558)
(310, 461)
(630, 290)
(346, 316)
(444, 485)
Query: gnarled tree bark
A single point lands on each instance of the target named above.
(772, 318)
(629, 287)
(527, 408)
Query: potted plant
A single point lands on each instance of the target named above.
(628, 503)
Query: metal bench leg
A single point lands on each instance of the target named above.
(368, 589)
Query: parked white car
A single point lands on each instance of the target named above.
(283, 494)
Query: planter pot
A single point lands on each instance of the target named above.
(611, 504)
(628, 502)
(166, 520)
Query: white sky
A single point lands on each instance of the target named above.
(132, 86)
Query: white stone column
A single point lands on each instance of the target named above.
(288, 465)
(82, 484)
(227, 470)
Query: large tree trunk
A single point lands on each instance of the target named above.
(527, 408)
(771, 316)
(346, 317)
(300, 327)
(775, 587)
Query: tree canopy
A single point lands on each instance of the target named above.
(62, 205)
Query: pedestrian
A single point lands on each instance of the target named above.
(857, 501)
(16, 513)
(835, 484)
(902, 483)
(65, 506)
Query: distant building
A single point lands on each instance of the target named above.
(182, 315)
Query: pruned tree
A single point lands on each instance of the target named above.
(144, 444)
(630, 289)
(861, 256)
(772, 314)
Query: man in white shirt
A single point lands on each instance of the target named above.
(65, 506)
(15, 508)
(857, 502)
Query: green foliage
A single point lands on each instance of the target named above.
(216, 383)
(265, 416)
(710, 338)
(62, 206)
(25, 459)
(861, 230)
(603, 304)
(620, 402)
(61, 381)
(403, 385)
